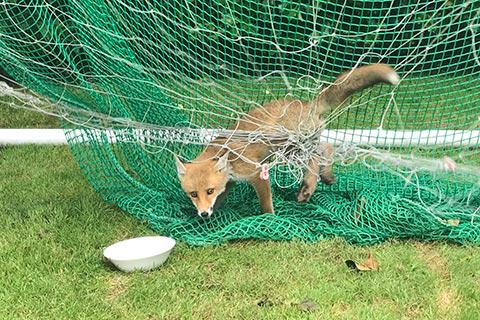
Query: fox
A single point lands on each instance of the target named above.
(208, 179)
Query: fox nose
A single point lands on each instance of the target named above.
(204, 214)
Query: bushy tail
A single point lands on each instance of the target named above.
(355, 80)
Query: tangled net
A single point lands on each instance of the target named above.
(136, 82)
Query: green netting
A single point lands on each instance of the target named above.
(201, 63)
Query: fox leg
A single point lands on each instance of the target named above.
(310, 179)
(264, 193)
(326, 172)
(223, 195)
(314, 170)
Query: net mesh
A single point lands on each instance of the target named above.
(148, 65)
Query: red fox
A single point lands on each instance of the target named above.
(208, 179)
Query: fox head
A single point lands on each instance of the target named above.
(203, 181)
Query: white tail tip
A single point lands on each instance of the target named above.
(393, 78)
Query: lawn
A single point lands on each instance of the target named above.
(21, 118)
(53, 228)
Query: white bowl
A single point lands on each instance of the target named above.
(142, 253)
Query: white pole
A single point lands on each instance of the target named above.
(32, 136)
(396, 138)
(372, 137)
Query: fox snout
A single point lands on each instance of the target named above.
(205, 214)
(204, 211)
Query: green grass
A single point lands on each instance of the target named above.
(20, 118)
(426, 103)
(53, 228)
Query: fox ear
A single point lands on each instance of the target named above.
(222, 162)
(181, 170)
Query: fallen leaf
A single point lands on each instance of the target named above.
(351, 264)
(369, 265)
(453, 222)
(307, 304)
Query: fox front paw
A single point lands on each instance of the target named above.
(305, 192)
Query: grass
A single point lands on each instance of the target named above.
(21, 118)
(53, 228)
(446, 103)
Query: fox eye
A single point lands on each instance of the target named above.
(210, 190)
(194, 194)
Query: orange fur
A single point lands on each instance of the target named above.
(214, 168)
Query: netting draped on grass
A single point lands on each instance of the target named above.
(160, 74)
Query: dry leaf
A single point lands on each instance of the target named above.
(453, 222)
(369, 265)
(308, 305)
